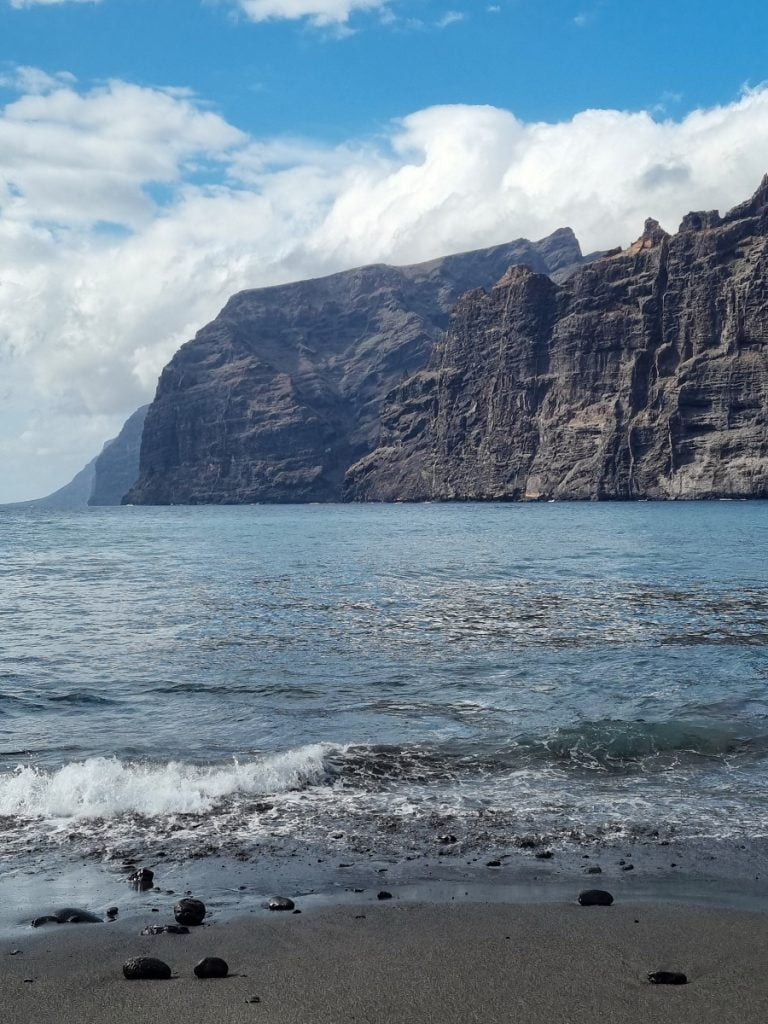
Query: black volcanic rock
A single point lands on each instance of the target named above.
(189, 912)
(645, 375)
(276, 398)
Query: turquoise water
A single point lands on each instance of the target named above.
(565, 669)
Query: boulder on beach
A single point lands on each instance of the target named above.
(189, 912)
(595, 898)
(146, 968)
(211, 967)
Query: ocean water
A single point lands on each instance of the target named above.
(231, 680)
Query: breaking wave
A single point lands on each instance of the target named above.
(106, 787)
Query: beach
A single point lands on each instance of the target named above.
(406, 962)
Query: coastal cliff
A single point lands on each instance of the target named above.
(281, 393)
(105, 479)
(645, 375)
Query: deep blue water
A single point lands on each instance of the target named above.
(566, 668)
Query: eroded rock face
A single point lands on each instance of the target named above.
(645, 375)
(276, 398)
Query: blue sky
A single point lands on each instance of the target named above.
(542, 59)
(158, 155)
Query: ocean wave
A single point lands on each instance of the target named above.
(107, 787)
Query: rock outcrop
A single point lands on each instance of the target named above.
(645, 375)
(276, 398)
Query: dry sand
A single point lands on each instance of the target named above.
(406, 963)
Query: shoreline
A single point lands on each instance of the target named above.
(734, 879)
(405, 961)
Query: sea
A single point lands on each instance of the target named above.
(436, 683)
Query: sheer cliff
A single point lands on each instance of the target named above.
(277, 397)
(644, 375)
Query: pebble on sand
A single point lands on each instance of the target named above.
(165, 929)
(146, 968)
(142, 879)
(189, 912)
(280, 903)
(211, 967)
(668, 978)
(595, 898)
(383, 895)
(67, 915)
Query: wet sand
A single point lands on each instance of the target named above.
(405, 963)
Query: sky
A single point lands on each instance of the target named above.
(158, 155)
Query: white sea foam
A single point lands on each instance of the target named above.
(106, 787)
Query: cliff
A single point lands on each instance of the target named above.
(645, 375)
(106, 478)
(117, 467)
(277, 397)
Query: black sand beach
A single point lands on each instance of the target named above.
(409, 963)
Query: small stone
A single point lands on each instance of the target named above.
(112, 911)
(211, 967)
(595, 898)
(67, 915)
(628, 867)
(15, 952)
(281, 903)
(545, 855)
(189, 912)
(447, 840)
(146, 968)
(165, 929)
(493, 864)
(253, 999)
(262, 808)
(594, 870)
(384, 895)
(667, 978)
(142, 879)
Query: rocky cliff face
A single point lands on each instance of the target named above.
(644, 375)
(117, 467)
(276, 398)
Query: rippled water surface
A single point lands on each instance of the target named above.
(564, 669)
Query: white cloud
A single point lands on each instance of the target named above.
(450, 18)
(115, 247)
(19, 4)
(320, 12)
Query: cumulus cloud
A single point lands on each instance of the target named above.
(129, 215)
